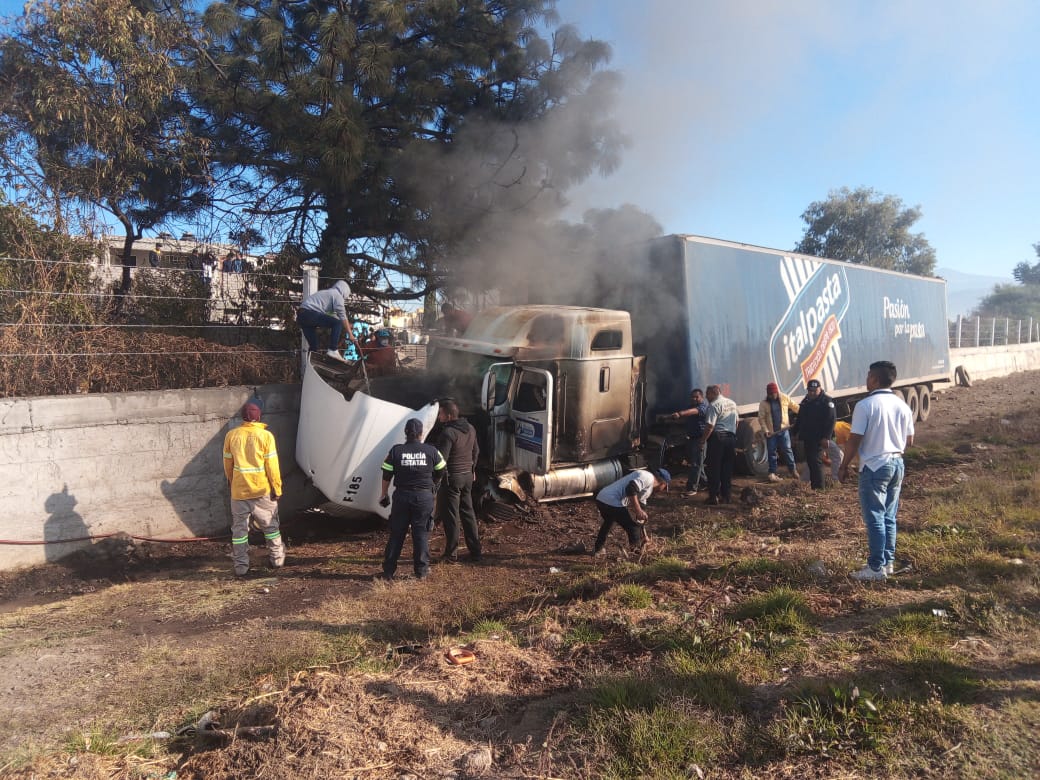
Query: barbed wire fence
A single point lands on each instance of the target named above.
(177, 328)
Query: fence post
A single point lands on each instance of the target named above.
(978, 330)
(1018, 338)
(993, 332)
(310, 286)
(960, 324)
(1030, 329)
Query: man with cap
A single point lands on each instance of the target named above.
(416, 469)
(815, 428)
(622, 502)
(251, 469)
(326, 309)
(775, 419)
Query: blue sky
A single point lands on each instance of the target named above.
(743, 112)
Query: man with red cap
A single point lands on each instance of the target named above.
(251, 469)
(774, 417)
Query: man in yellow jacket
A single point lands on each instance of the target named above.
(773, 417)
(251, 468)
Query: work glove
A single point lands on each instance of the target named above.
(384, 501)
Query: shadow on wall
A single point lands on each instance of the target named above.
(69, 539)
(64, 529)
(199, 495)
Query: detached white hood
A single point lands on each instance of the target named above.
(341, 444)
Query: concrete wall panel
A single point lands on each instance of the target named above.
(145, 464)
(990, 362)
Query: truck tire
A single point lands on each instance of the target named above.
(962, 377)
(924, 408)
(913, 400)
(752, 457)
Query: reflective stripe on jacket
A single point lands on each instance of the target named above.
(251, 462)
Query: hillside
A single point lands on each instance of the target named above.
(964, 291)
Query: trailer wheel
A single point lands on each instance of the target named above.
(913, 400)
(924, 408)
(752, 456)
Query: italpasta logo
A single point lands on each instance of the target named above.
(805, 344)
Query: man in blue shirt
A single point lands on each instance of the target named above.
(695, 448)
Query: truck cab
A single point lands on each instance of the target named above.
(549, 388)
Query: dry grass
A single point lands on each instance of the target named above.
(64, 335)
(111, 360)
(737, 648)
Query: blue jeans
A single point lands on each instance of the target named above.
(879, 502)
(781, 441)
(309, 322)
(695, 455)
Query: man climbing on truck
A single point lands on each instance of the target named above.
(327, 309)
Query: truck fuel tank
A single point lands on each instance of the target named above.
(565, 482)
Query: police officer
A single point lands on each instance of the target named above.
(816, 419)
(416, 469)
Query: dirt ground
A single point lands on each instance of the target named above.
(133, 642)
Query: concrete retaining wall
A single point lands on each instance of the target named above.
(989, 362)
(150, 463)
(147, 464)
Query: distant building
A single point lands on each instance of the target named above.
(173, 252)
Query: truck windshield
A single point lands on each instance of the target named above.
(466, 370)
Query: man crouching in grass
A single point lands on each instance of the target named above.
(622, 502)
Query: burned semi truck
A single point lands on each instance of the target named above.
(561, 394)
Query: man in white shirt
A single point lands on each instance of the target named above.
(882, 428)
(622, 502)
(720, 438)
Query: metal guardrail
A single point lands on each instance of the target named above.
(992, 331)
